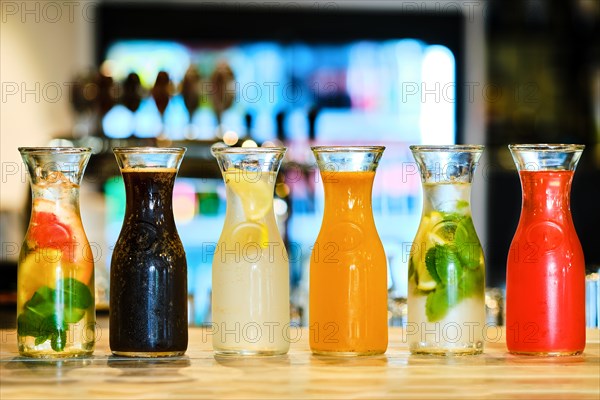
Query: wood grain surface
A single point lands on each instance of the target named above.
(299, 375)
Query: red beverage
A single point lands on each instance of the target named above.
(545, 284)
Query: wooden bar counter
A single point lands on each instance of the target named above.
(298, 375)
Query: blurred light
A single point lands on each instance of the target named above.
(148, 123)
(184, 202)
(60, 143)
(176, 118)
(90, 91)
(249, 143)
(282, 190)
(205, 121)
(192, 132)
(296, 124)
(264, 127)
(147, 58)
(232, 120)
(268, 143)
(107, 68)
(230, 138)
(438, 96)
(118, 123)
(280, 206)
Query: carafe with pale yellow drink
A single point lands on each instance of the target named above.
(250, 278)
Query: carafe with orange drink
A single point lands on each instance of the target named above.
(545, 283)
(348, 268)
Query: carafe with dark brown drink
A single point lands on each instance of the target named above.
(148, 276)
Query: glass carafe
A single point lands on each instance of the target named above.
(348, 267)
(446, 271)
(55, 284)
(545, 282)
(148, 271)
(250, 271)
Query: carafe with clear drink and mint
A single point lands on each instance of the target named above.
(446, 278)
(55, 283)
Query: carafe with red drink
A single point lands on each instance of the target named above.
(545, 283)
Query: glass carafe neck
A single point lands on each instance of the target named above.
(348, 173)
(546, 192)
(334, 159)
(53, 166)
(447, 198)
(348, 194)
(447, 164)
(250, 163)
(546, 172)
(249, 175)
(546, 157)
(149, 191)
(55, 174)
(149, 175)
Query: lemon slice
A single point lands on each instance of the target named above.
(47, 266)
(250, 236)
(253, 189)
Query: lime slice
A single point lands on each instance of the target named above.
(442, 233)
(253, 189)
(423, 279)
(425, 282)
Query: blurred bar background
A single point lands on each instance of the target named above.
(107, 73)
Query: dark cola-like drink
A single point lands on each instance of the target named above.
(148, 277)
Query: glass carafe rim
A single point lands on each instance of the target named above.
(248, 150)
(55, 150)
(149, 149)
(347, 149)
(456, 148)
(547, 147)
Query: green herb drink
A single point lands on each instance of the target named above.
(446, 278)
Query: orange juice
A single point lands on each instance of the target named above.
(348, 271)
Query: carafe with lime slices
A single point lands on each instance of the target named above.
(446, 281)
(250, 277)
(55, 282)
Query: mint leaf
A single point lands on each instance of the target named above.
(467, 243)
(430, 263)
(447, 265)
(47, 314)
(462, 204)
(76, 294)
(41, 302)
(73, 315)
(41, 339)
(439, 302)
(29, 324)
